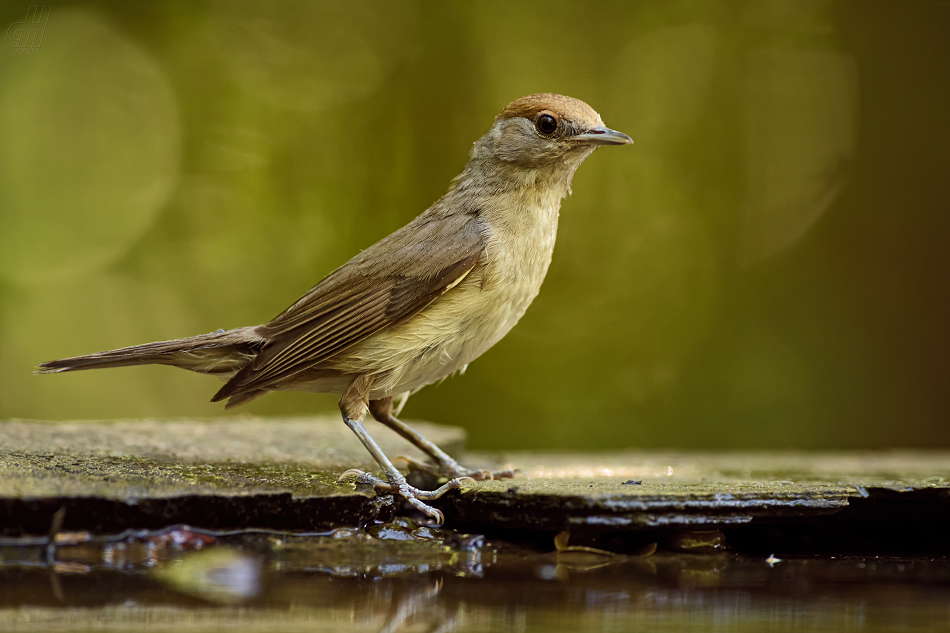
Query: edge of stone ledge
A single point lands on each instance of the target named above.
(243, 471)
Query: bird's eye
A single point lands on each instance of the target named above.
(546, 124)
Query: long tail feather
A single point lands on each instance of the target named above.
(221, 352)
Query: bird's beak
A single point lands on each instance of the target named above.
(603, 136)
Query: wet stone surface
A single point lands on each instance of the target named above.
(241, 472)
(582, 542)
(818, 502)
(281, 474)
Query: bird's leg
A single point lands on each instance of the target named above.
(354, 406)
(444, 465)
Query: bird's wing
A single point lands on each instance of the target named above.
(381, 287)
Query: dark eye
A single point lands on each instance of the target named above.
(546, 124)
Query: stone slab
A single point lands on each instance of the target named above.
(232, 473)
(637, 491)
(281, 473)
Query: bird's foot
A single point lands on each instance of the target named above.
(451, 469)
(397, 484)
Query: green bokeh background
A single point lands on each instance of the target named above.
(766, 267)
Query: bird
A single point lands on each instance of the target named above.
(416, 306)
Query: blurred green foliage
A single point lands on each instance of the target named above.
(766, 267)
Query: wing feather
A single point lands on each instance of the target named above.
(383, 286)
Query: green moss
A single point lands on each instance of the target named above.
(34, 476)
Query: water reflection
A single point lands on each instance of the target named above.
(218, 575)
(352, 581)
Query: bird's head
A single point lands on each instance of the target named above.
(547, 128)
(543, 133)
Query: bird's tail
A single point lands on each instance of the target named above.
(221, 353)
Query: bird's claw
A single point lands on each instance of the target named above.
(360, 476)
(454, 470)
(397, 484)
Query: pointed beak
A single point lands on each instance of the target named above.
(603, 136)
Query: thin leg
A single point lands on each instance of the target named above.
(396, 481)
(444, 466)
(354, 406)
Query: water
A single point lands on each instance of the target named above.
(408, 577)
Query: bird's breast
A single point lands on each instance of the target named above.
(517, 254)
(496, 294)
(473, 315)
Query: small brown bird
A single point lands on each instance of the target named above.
(419, 304)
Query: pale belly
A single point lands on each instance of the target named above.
(442, 339)
(461, 324)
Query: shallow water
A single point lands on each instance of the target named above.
(408, 577)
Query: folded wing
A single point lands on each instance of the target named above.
(383, 286)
